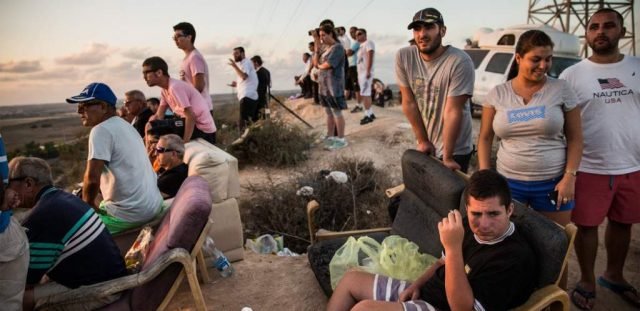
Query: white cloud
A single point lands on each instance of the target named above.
(94, 54)
(23, 66)
(136, 53)
(224, 48)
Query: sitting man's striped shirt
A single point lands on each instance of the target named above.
(69, 243)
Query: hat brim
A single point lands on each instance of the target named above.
(79, 99)
(425, 22)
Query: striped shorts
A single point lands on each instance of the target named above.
(389, 289)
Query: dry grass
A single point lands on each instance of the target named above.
(274, 143)
(358, 204)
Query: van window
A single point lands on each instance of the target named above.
(477, 56)
(559, 64)
(499, 62)
(509, 39)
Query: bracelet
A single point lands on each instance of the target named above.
(570, 172)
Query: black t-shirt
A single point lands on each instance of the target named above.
(69, 242)
(502, 276)
(169, 181)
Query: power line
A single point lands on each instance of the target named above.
(359, 12)
(322, 15)
(294, 15)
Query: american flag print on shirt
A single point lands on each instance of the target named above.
(610, 83)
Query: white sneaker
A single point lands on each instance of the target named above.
(328, 141)
(338, 144)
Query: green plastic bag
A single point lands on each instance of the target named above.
(400, 259)
(396, 257)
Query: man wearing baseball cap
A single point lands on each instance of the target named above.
(436, 83)
(117, 163)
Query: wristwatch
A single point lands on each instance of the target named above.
(574, 173)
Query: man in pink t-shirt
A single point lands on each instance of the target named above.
(183, 99)
(194, 69)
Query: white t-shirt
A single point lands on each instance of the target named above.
(532, 142)
(346, 43)
(249, 86)
(128, 182)
(609, 96)
(363, 57)
(192, 65)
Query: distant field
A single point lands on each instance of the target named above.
(59, 123)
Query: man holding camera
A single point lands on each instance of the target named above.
(183, 99)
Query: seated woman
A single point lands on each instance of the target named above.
(173, 171)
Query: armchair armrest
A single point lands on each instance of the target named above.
(550, 296)
(110, 287)
(319, 235)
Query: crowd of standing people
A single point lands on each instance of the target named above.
(567, 149)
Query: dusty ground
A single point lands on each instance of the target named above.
(279, 283)
(268, 282)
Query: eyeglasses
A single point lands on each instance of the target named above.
(178, 35)
(126, 102)
(163, 150)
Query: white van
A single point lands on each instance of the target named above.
(494, 61)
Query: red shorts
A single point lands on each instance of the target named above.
(615, 196)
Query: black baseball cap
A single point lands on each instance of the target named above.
(427, 16)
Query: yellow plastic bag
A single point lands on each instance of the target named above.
(400, 259)
(363, 253)
(396, 257)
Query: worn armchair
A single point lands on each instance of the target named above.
(171, 257)
(429, 192)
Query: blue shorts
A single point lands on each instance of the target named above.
(536, 194)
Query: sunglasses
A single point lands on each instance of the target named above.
(163, 150)
(20, 178)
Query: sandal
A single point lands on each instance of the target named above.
(586, 295)
(627, 292)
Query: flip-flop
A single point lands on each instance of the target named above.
(586, 295)
(622, 290)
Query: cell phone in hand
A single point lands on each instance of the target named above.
(553, 197)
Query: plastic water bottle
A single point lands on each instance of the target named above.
(220, 261)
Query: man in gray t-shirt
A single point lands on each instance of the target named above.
(436, 83)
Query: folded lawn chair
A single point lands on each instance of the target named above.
(171, 257)
(430, 191)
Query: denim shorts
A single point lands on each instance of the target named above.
(536, 194)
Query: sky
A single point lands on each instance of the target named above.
(52, 49)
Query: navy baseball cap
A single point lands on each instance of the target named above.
(95, 90)
(427, 16)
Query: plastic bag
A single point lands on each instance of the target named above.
(265, 244)
(138, 252)
(395, 257)
(400, 259)
(363, 253)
